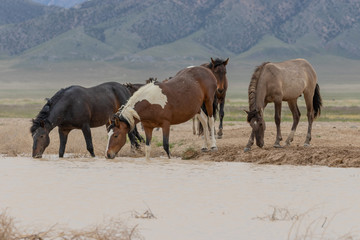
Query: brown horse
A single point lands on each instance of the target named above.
(163, 104)
(277, 82)
(218, 68)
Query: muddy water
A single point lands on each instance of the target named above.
(190, 199)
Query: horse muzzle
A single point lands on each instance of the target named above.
(220, 90)
(110, 155)
(37, 155)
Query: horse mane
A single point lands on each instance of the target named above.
(252, 87)
(127, 115)
(217, 62)
(44, 113)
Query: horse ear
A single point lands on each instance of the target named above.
(247, 112)
(212, 61)
(226, 61)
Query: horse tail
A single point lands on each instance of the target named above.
(317, 101)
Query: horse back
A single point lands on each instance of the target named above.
(290, 78)
(93, 105)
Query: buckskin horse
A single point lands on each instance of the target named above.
(77, 107)
(277, 82)
(166, 103)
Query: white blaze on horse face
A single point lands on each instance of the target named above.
(110, 133)
(190, 66)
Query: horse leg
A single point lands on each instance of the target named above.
(221, 113)
(87, 135)
(212, 129)
(310, 116)
(148, 135)
(137, 135)
(250, 142)
(277, 122)
(63, 134)
(296, 117)
(166, 133)
(194, 123)
(203, 120)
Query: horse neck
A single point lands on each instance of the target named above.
(260, 97)
(51, 122)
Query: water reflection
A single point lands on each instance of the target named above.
(190, 199)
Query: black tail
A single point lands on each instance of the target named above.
(215, 110)
(317, 102)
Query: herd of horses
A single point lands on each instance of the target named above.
(194, 92)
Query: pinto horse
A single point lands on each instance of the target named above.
(77, 107)
(163, 104)
(277, 82)
(218, 68)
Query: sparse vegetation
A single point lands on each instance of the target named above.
(114, 229)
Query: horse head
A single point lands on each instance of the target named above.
(117, 131)
(256, 120)
(218, 67)
(41, 139)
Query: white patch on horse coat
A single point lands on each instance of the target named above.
(110, 133)
(190, 66)
(150, 92)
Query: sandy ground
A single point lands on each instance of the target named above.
(334, 144)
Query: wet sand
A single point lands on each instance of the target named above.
(189, 199)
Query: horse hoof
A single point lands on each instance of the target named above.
(306, 144)
(204, 149)
(247, 149)
(219, 137)
(277, 145)
(214, 149)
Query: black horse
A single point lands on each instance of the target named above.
(82, 108)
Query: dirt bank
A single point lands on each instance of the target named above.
(334, 144)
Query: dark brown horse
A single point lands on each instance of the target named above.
(277, 82)
(163, 104)
(133, 87)
(77, 107)
(218, 68)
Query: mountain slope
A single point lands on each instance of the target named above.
(60, 3)
(16, 11)
(132, 26)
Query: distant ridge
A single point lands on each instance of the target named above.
(112, 29)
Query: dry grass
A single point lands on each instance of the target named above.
(304, 226)
(112, 230)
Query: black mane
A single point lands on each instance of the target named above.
(217, 62)
(41, 118)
